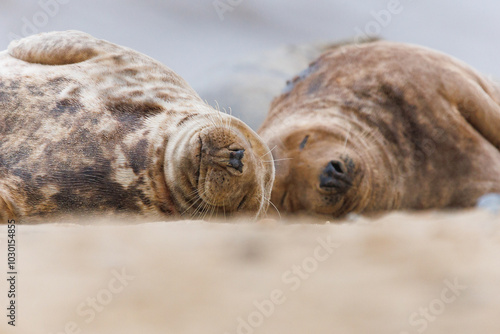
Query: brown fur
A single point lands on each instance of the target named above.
(85, 127)
(414, 129)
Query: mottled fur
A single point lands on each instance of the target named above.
(84, 127)
(416, 129)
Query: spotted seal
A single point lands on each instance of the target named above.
(384, 126)
(89, 127)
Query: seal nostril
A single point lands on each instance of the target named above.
(235, 160)
(338, 166)
(237, 154)
(335, 176)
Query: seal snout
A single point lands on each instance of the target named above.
(335, 177)
(235, 160)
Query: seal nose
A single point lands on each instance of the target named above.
(334, 176)
(235, 160)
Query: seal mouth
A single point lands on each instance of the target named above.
(240, 205)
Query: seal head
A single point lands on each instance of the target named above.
(332, 179)
(219, 167)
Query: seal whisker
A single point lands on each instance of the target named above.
(268, 151)
(201, 209)
(214, 211)
(196, 201)
(220, 118)
(227, 122)
(347, 138)
(217, 105)
(217, 115)
(230, 118)
(193, 202)
(206, 210)
(277, 160)
(274, 206)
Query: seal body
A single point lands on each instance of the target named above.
(384, 126)
(89, 127)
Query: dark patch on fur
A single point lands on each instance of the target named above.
(362, 93)
(405, 115)
(14, 85)
(129, 72)
(66, 106)
(129, 121)
(184, 119)
(13, 157)
(33, 194)
(140, 181)
(136, 93)
(164, 96)
(3, 97)
(446, 161)
(90, 147)
(165, 209)
(137, 156)
(40, 180)
(23, 174)
(118, 59)
(151, 175)
(91, 188)
(290, 84)
(315, 84)
(35, 91)
(135, 191)
(132, 107)
(56, 82)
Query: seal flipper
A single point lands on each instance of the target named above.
(59, 48)
(478, 101)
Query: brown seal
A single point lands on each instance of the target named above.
(89, 127)
(383, 126)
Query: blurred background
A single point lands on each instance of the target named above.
(241, 52)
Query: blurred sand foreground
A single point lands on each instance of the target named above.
(432, 273)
